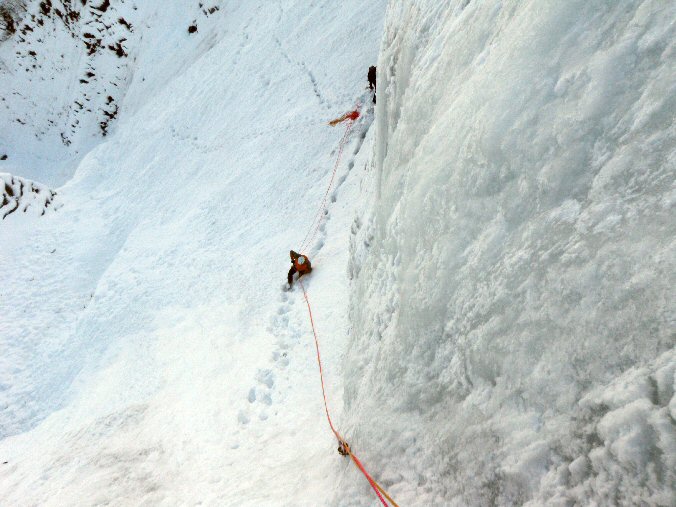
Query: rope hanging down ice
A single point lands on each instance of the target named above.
(342, 442)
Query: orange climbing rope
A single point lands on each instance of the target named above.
(343, 444)
(307, 240)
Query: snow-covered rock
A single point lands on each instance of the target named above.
(67, 65)
(20, 194)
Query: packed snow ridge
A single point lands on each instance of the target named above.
(494, 273)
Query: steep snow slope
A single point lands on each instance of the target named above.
(148, 354)
(513, 302)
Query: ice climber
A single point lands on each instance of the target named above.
(372, 81)
(300, 264)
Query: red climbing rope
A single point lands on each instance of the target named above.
(344, 445)
(307, 240)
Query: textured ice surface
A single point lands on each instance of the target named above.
(514, 297)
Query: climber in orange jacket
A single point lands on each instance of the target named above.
(300, 264)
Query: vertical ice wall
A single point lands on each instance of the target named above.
(513, 299)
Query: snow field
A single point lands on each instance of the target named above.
(152, 356)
